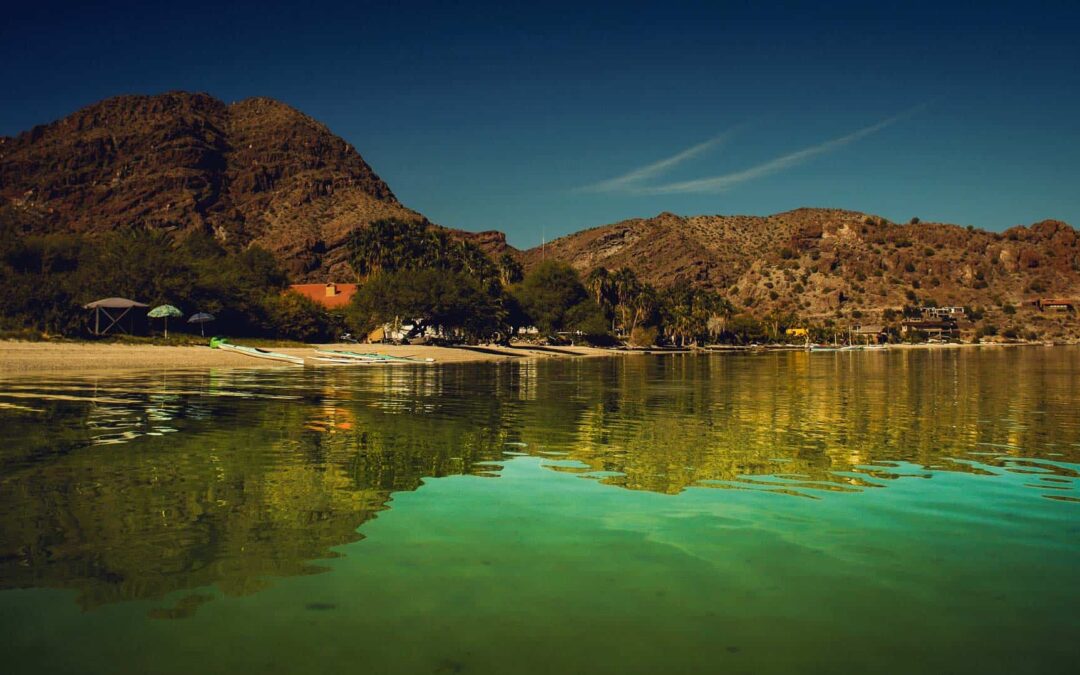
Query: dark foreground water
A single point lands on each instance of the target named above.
(894, 512)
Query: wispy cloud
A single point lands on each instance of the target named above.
(632, 181)
(725, 181)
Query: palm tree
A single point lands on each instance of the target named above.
(720, 312)
(365, 252)
(626, 287)
(601, 285)
(643, 305)
(510, 270)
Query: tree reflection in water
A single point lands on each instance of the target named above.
(141, 486)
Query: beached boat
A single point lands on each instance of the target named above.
(223, 344)
(370, 356)
(332, 361)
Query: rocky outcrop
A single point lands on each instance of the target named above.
(253, 172)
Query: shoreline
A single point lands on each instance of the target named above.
(27, 358)
(30, 358)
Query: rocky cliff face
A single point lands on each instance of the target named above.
(256, 171)
(823, 261)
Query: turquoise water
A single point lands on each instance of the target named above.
(835, 512)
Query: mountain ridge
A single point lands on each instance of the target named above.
(253, 172)
(818, 261)
(259, 172)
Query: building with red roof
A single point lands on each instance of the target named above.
(330, 296)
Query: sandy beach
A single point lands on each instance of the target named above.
(56, 357)
(18, 357)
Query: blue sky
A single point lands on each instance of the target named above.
(543, 118)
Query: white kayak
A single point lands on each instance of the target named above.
(218, 343)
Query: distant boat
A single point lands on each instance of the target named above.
(221, 343)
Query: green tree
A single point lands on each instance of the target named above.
(692, 315)
(553, 297)
(510, 270)
(296, 317)
(601, 285)
(626, 287)
(452, 303)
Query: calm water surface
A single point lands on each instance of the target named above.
(835, 512)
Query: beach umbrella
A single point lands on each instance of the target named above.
(201, 318)
(164, 312)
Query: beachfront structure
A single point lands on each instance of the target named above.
(938, 328)
(120, 307)
(797, 332)
(1056, 304)
(388, 332)
(329, 295)
(870, 333)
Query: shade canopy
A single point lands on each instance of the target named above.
(113, 303)
(164, 312)
(120, 307)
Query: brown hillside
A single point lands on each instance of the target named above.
(829, 262)
(257, 171)
(260, 172)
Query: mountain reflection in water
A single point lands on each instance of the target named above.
(138, 486)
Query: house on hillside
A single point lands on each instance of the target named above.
(1056, 304)
(944, 313)
(938, 328)
(870, 333)
(330, 295)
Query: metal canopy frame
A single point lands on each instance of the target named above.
(103, 306)
(114, 321)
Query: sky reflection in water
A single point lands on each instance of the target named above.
(167, 495)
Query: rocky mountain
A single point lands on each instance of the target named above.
(825, 262)
(260, 172)
(252, 172)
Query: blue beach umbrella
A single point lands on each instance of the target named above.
(201, 318)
